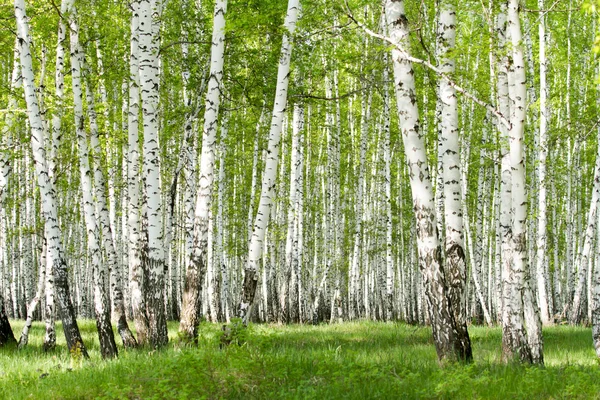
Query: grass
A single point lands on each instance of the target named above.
(349, 361)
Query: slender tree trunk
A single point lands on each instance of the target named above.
(292, 215)
(6, 333)
(197, 263)
(136, 272)
(523, 301)
(542, 259)
(270, 171)
(220, 245)
(108, 347)
(47, 191)
(24, 339)
(387, 176)
(103, 215)
(455, 271)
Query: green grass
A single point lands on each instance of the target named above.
(349, 361)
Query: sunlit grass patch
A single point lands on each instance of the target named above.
(351, 360)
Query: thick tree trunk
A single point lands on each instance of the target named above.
(523, 307)
(154, 258)
(449, 344)
(6, 333)
(455, 271)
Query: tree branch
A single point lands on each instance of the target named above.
(432, 67)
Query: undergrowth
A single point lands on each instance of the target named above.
(348, 361)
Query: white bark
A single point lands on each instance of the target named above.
(585, 255)
(524, 301)
(387, 176)
(446, 337)
(47, 190)
(108, 347)
(198, 259)
(136, 273)
(542, 259)
(270, 171)
(154, 261)
(103, 218)
(449, 148)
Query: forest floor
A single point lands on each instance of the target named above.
(360, 360)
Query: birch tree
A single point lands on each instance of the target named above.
(198, 257)
(136, 273)
(47, 190)
(154, 261)
(455, 268)
(270, 172)
(449, 345)
(108, 347)
(521, 305)
(542, 264)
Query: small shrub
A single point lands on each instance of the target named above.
(236, 332)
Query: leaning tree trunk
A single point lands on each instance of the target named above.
(270, 171)
(197, 263)
(47, 190)
(595, 300)
(106, 231)
(448, 343)
(108, 347)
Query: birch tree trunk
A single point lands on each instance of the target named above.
(270, 171)
(455, 270)
(517, 92)
(154, 260)
(47, 190)
(108, 347)
(50, 336)
(106, 221)
(387, 176)
(449, 345)
(513, 335)
(136, 272)
(24, 339)
(6, 333)
(291, 243)
(542, 259)
(584, 255)
(103, 215)
(197, 263)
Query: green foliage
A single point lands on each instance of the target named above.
(234, 333)
(354, 360)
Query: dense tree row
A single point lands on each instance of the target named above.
(433, 163)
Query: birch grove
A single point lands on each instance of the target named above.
(433, 163)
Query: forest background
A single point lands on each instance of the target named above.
(146, 177)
